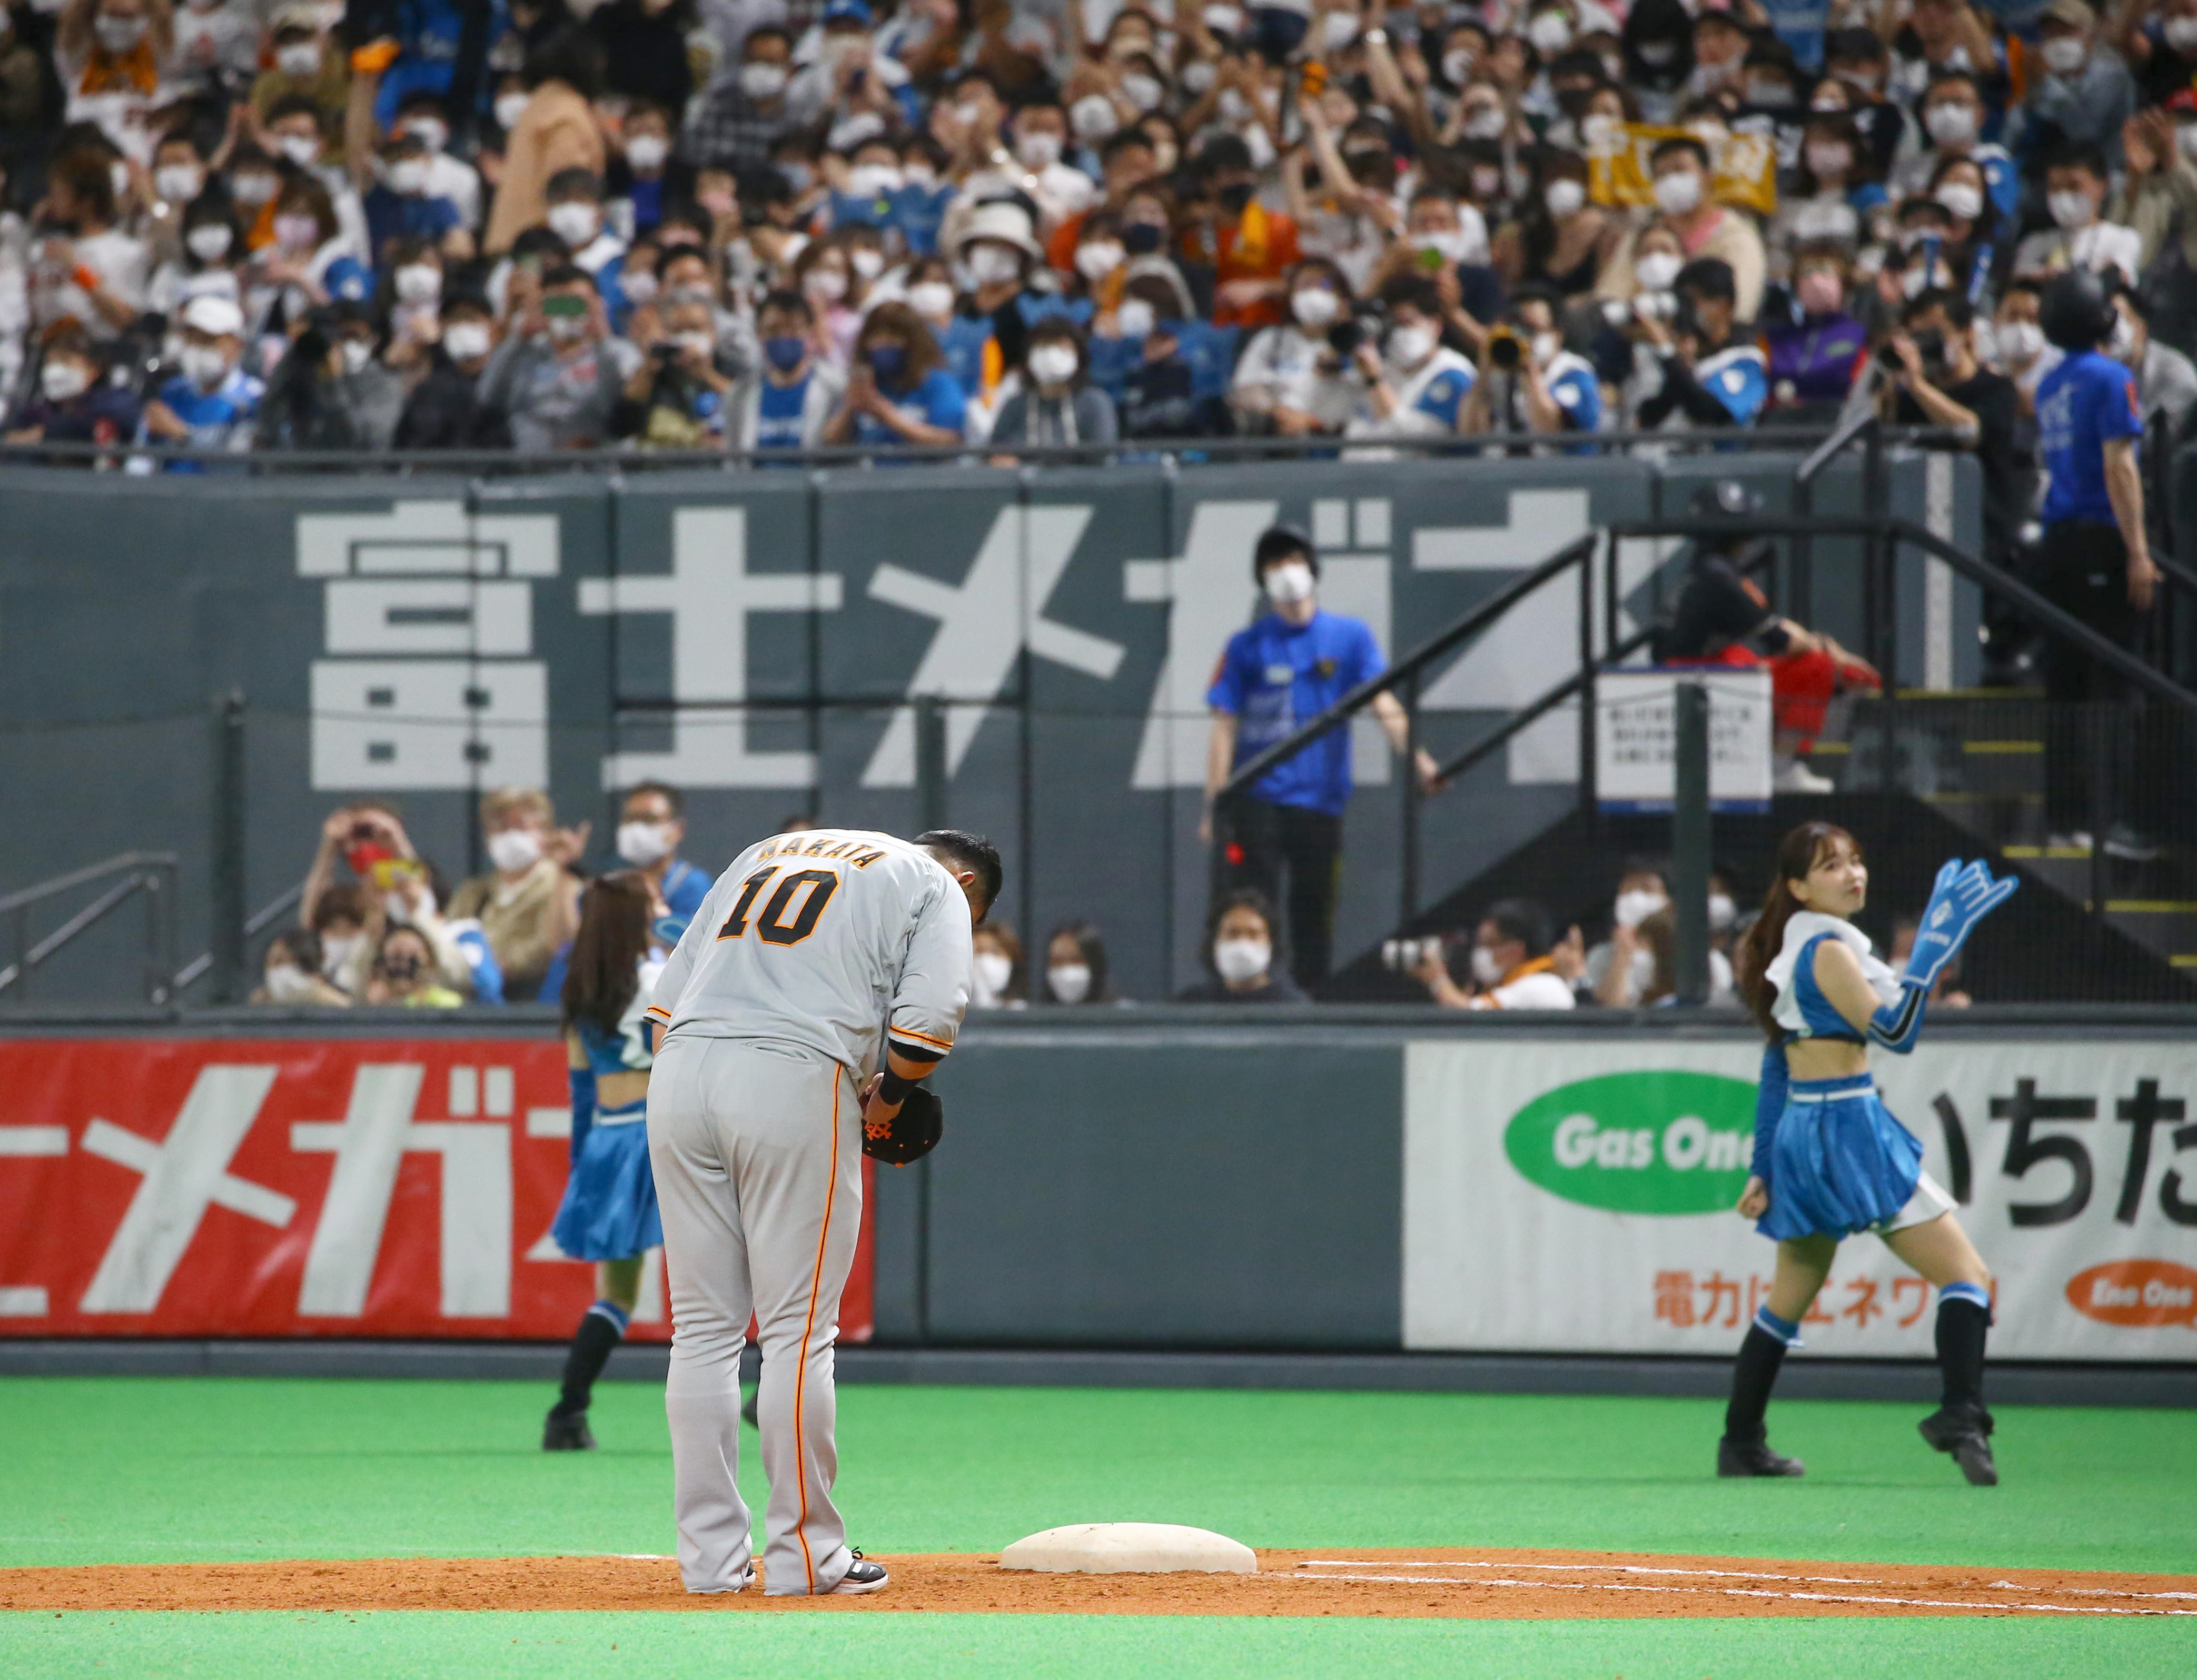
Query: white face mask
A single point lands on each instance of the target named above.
(287, 983)
(1829, 160)
(1456, 66)
(1239, 960)
(994, 265)
(762, 81)
(512, 849)
(1070, 983)
(1963, 202)
(933, 299)
(2064, 54)
(355, 353)
(1723, 912)
(408, 178)
(418, 283)
(1093, 118)
(62, 381)
(1657, 270)
(1550, 33)
(297, 232)
(916, 172)
(465, 341)
(1052, 364)
(119, 35)
(252, 190)
(1952, 124)
(644, 843)
(1446, 243)
(575, 221)
(1099, 259)
(1546, 348)
(2122, 345)
(432, 132)
(2019, 342)
(872, 180)
(1288, 583)
(2070, 210)
(1564, 197)
(1483, 122)
(1679, 192)
(1315, 305)
(991, 971)
(1143, 91)
(178, 184)
(337, 951)
(1636, 906)
(646, 152)
(1197, 79)
(509, 108)
(1408, 346)
(208, 241)
(300, 59)
(1038, 150)
(302, 149)
(2181, 33)
(869, 263)
(1340, 30)
(827, 284)
(1486, 969)
(1136, 318)
(204, 366)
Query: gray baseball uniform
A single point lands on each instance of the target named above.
(811, 950)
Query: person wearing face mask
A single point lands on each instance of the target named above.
(2165, 379)
(559, 372)
(338, 917)
(1940, 382)
(899, 390)
(332, 391)
(1240, 955)
(399, 207)
(109, 55)
(291, 976)
(1413, 385)
(2085, 91)
(1952, 116)
(996, 980)
(405, 975)
(1539, 386)
(677, 398)
(1952, 36)
(1680, 168)
(850, 77)
(1711, 375)
(866, 195)
(920, 206)
(528, 903)
(303, 63)
(2022, 352)
(1556, 240)
(791, 398)
(445, 410)
(217, 51)
(1039, 136)
(421, 115)
(1835, 190)
(2160, 48)
(1814, 352)
(211, 403)
(1512, 967)
(1289, 666)
(1616, 969)
(1075, 967)
(555, 132)
(995, 246)
(72, 400)
(84, 267)
(1056, 404)
(1251, 248)
(2158, 198)
(743, 114)
(573, 208)
(1658, 45)
(2075, 182)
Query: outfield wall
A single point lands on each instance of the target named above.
(1322, 1180)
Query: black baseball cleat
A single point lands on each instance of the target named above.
(1755, 1458)
(862, 1576)
(1964, 1432)
(568, 1434)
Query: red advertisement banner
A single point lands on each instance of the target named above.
(298, 1187)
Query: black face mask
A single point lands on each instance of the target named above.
(1141, 238)
(402, 969)
(1236, 199)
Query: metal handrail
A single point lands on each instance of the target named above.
(258, 923)
(152, 874)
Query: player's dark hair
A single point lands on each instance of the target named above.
(1798, 853)
(1523, 920)
(663, 790)
(965, 850)
(604, 970)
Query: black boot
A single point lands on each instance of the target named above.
(1961, 1426)
(601, 1329)
(1755, 1458)
(1745, 1449)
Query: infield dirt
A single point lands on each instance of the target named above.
(1345, 1581)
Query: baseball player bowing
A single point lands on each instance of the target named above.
(817, 958)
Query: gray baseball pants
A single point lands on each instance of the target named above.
(756, 1148)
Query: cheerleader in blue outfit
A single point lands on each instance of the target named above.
(609, 1213)
(1830, 1160)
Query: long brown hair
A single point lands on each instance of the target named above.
(605, 969)
(1797, 854)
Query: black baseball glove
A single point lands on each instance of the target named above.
(909, 1135)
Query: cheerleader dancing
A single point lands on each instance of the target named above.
(1830, 1160)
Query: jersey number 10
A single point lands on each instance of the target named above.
(772, 927)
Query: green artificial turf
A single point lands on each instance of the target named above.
(544, 1646)
(148, 1470)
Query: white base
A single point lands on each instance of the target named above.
(1129, 1547)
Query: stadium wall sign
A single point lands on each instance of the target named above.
(1576, 1196)
(298, 1187)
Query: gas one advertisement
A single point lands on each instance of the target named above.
(1577, 1196)
(298, 1187)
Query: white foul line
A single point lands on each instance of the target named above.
(1723, 1575)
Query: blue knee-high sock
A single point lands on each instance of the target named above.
(601, 1329)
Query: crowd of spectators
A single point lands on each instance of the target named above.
(750, 224)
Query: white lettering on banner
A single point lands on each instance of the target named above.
(408, 581)
(709, 593)
(1567, 1196)
(182, 1175)
(369, 1143)
(29, 1301)
(983, 622)
(1540, 522)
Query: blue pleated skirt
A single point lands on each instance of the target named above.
(609, 1211)
(1839, 1164)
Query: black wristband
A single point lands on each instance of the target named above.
(893, 1088)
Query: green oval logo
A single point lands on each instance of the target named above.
(1665, 1141)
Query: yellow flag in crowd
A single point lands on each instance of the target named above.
(1743, 168)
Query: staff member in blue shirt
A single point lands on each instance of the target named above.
(1284, 670)
(2093, 560)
